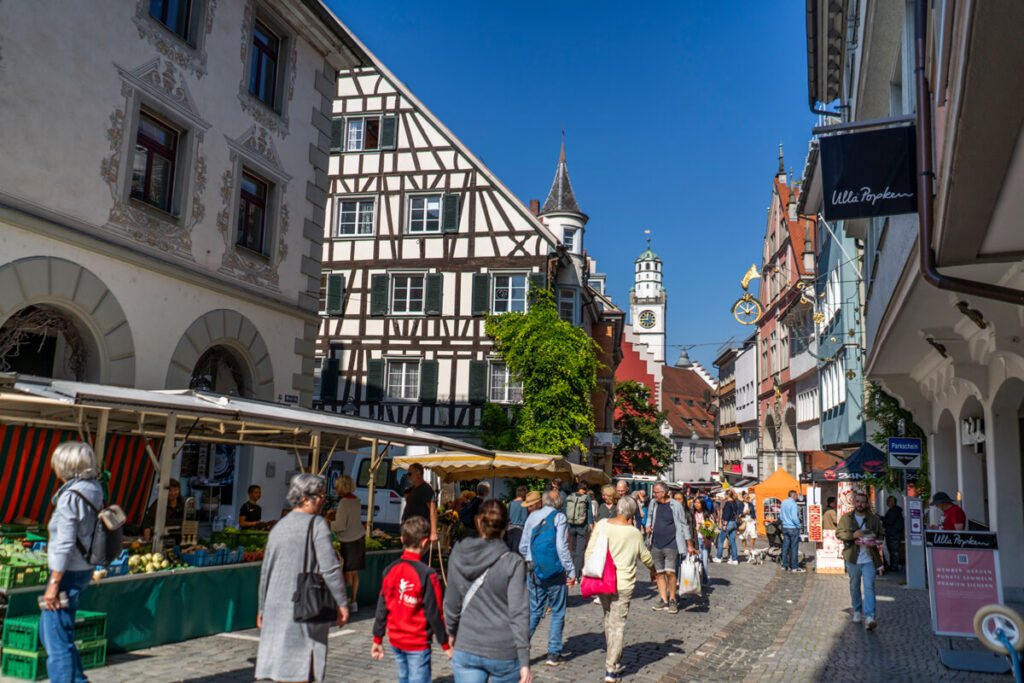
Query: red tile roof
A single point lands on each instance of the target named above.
(678, 386)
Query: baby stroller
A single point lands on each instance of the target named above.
(773, 532)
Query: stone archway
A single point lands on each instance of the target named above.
(1004, 431)
(972, 466)
(944, 472)
(47, 282)
(234, 333)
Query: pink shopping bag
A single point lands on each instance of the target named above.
(606, 584)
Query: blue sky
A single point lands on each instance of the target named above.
(673, 114)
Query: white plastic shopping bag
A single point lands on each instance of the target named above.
(594, 566)
(689, 576)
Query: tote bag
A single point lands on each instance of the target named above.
(689, 576)
(314, 603)
(594, 566)
(608, 583)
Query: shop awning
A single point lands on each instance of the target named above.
(864, 463)
(591, 475)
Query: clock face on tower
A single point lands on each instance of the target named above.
(647, 319)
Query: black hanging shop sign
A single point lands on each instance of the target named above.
(869, 174)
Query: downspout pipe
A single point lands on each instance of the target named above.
(925, 200)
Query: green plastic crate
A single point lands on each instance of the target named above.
(31, 666)
(22, 633)
(14, 576)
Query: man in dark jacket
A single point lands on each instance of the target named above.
(893, 523)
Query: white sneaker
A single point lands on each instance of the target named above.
(353, 607)
(857, 617)
(870, 624)
(733, 562)
(597, 601)
(716, 560)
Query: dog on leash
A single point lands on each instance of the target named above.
(756, 556)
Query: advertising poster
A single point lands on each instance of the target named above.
(916, 535)
(814, 523)
(963, 577)
(829, 557)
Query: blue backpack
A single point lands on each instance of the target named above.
(544, 549)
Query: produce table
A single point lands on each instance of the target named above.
(144, 610)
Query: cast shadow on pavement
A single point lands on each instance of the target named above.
(238, 675)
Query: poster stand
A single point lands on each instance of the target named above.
(963, 577)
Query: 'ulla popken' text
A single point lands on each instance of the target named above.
(866, 196)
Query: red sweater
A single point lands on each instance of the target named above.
(409, 606)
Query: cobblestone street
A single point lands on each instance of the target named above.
(757, 624)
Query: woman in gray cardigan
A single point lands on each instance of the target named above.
(292, 651)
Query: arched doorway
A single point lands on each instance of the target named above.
(944, 474)
(59, 320)
(1005, 446)
(972, 466)
(219, 370)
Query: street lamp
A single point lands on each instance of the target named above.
(684, 360)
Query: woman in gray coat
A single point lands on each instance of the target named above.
(292, 651)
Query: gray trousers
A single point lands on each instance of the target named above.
(578, 537)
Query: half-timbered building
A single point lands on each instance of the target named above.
(421, 242)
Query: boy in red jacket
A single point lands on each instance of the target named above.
(410, 607)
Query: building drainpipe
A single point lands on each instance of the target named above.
(925, 201)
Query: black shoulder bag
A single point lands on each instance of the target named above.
(314, 603)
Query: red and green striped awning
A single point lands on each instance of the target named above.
(27, 482)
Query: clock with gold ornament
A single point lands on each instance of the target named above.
(647, 319)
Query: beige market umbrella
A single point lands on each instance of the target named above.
(591, 475)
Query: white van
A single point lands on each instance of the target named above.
(388, 502)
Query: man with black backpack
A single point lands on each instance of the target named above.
(551, 571)
(581, 522)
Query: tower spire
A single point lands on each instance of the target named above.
(561, 154)
(561, 198)
(782, 168)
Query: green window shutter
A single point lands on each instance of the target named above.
(428, 381)
(379, 294)
(450, 213)
(374, 379)
(388, 132)
(477, 381)
(329, 379)
(337, 133)
(481, 293)
(435, 287)
(538, 281)
(335, 294)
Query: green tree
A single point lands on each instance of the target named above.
(557, 365)
(643, 448)
(886, 412)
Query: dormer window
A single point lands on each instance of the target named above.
(569, 238)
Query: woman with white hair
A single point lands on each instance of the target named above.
(291, 650)
(348, 527)
(72, 524)
(626, 545)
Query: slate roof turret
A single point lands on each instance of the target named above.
(561, 198)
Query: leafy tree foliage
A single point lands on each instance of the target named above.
(643, 448)
(557, 364)
(887, 413)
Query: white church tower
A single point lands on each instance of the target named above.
(647, 303)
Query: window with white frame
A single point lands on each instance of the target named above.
(807, 405)
(693, 453)
(510, 292)
(403, 379)
(355, 216)
(504, 389)
(425, 213)
(567, 304)
(569, 238)
(362, 133)
(407, 293)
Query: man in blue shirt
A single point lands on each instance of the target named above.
(551, 590)
(789, 518)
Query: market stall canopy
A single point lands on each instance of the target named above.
(864, 463)
(200, 417)
(456, 466)
(446, 464)
(771, 492)
(591, 475)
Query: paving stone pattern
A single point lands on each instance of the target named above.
(756, 625)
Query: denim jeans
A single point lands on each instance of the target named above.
(578, 537)
(866, 573)
(543, 593)
(790, 547)
(730, 531)
(475, 669)
(57, 631)
(413, 665)
(705, 553)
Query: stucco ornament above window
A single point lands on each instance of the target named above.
(188, 54)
